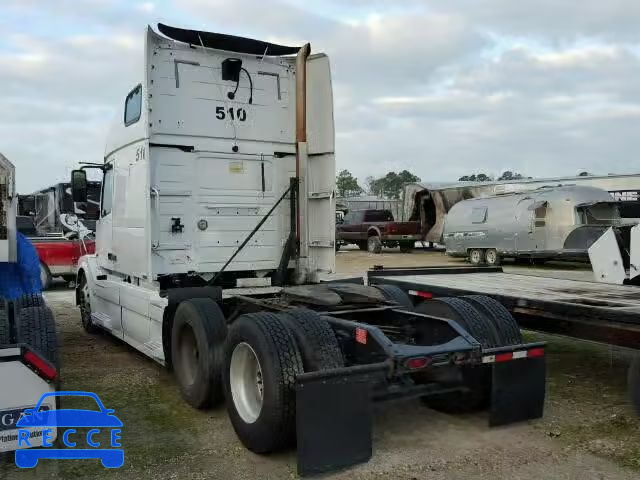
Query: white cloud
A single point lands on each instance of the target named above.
(439, 88)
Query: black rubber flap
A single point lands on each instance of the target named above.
(231, 43)
(333, 422)
(517, 391)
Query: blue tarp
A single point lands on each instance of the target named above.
(22, 277)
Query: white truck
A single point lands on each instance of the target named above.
(217, 221)
(28, 346)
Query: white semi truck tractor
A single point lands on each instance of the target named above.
(217, 223)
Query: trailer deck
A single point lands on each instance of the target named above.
(588, 310)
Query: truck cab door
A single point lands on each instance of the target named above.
(105, 303)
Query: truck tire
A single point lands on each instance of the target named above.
(396, 294)
(633, 383)
(36, 327)
(362, 245)
(406, 247)
(476, 378)
(315, 338)
(84, 301)
(30, 300)
(197, 351)
(262, 361)
(492, 257)
(374, 245)
(5, 328)
(476, 256)
(471, 319)
(45, 276)
(506, 326)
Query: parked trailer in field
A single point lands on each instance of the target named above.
(594, 311)
(217, 217)
(548, 223)
(28, 347)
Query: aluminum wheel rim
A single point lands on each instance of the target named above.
(245, 378)
(475, 256)
(85, 305)
(491, 256)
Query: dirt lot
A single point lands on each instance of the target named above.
(588, 432)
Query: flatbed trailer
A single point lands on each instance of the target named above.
(604, 313)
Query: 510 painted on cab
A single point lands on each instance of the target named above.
(232, 113)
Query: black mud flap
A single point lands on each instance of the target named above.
(517, 391)
(334, 415)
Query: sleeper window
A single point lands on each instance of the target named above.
(133, 106)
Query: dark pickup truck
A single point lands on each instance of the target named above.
(371, 229)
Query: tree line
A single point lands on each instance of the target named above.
(388, 186)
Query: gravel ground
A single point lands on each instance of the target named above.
(588, 431)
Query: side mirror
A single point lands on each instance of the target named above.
(79, 185)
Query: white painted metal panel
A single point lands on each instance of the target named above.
(634, 252)
(606, 259)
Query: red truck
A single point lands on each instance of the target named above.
(372, 229)
(58, 253)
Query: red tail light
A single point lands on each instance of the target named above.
(44, 368)
(536, 352)
(417, 363)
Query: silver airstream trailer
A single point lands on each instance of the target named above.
(550, 222)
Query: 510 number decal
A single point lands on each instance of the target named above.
(232, 113)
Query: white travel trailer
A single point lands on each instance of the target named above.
(551, 222)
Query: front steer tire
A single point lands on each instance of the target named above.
(279, 360)
(197, 351)
(84, 302)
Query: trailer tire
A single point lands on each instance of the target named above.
(476, 256)
(262, 361)
(315, 338)
(395, 294)
(36, 327)
(506, 326)
(492, 257)
(30, 300)
(374, 244)
(198, 333)
(5, 328)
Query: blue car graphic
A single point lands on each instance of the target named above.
(70, 418)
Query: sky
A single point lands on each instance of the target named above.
(440, 88)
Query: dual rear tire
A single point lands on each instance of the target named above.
(253, 364)
(491, 324)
